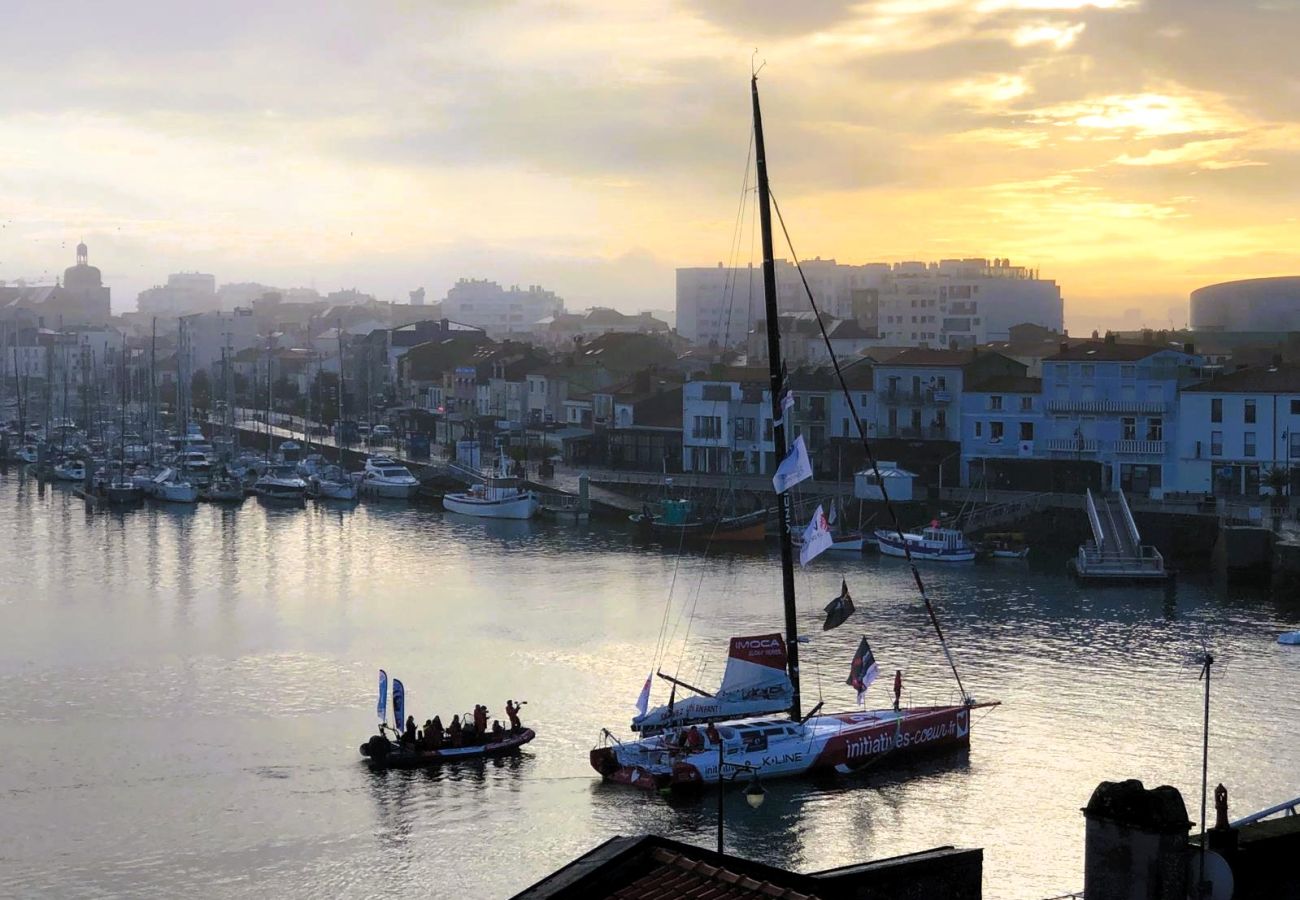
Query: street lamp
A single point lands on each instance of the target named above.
(754, 793)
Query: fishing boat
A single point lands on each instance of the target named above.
(756, 721)
(677, 520)
(934, 543)
(844, 539)
(500, 496)
(385, 477)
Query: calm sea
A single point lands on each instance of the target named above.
(182, 693)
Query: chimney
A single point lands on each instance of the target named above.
(1136, 843)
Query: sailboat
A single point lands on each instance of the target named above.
(756, 720)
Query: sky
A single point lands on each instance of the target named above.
(1131, 149)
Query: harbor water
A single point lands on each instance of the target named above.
(182, 694)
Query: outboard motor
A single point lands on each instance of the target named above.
(376, 748)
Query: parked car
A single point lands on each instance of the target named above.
(381, 432)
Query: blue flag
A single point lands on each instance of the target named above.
(382, 709)
(399, 705)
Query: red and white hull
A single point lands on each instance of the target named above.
(840, 742)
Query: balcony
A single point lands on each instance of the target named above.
(1074, 445)
(1141, 448)
(924, 397)
(1155, 407)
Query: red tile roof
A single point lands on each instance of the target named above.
(678, 877)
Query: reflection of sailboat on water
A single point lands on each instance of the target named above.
(755, 720)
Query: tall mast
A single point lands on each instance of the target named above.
(338, 427)
(778, 422)
(153, 387)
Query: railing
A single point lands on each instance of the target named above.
(1074, 445)
(1128, 521)
(922, 397)
(1107, 406)
(1288, 808)
(1143, 448)
(1092, 562)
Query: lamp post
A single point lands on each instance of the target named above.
(754, 793)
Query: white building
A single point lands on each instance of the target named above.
(498, 311)
(184, 293)
(207, 334)
(954, 302)
(1237, 430)
(727, 425)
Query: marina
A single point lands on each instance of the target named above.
(231, 630)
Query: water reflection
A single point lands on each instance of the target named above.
(196, 645)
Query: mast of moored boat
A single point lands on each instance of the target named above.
(778, 420)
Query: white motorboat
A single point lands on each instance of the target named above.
(311, 465)
(194, 464)
(281, 483)
(28, 453)
(933, 543)
(500, 496)
(384, 477)
(122, 490)
(332, 483)
(170, 487)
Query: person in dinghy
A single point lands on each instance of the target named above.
(414, 748)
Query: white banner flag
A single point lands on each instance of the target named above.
(643, 701)
(793, 469)
(816, 538)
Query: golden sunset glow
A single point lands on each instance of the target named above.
(1131, 150)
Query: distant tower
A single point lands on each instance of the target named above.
(81, 254)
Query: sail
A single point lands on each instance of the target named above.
(755, 683)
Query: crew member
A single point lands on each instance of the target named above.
(694, 741)
(498, 733)
(898, 689)
(409, 736)
(512, 713)
(434, 734)
(480, 719)
(455, 732)
(712, 734)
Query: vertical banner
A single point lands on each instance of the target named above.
(381, 709)
(399, 705)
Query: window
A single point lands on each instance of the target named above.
(995, 402)
(767, 430)
(1295, 407)
(1127, 371)
(1128, 428)
(1295, 443)
(1248, 443)
(1026, 431)
(979, 430)
(942, 383)
(1026, 403)
(1155, 429)
(1216, 443)
(707, 428)
(744, 429)
(1087, 370)
(995, 432)
(1216, 409)
(1249, 412)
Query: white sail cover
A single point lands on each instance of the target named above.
(755, 683)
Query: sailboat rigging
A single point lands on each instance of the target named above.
(762, 677)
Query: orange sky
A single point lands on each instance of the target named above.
(1131, 150)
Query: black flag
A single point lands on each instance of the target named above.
(839, 609)
(863, 671)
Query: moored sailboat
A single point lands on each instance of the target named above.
(756, 721)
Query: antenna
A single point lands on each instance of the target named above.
(1205, 661)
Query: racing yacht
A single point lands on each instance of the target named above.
(755, 720)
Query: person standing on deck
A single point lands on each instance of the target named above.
(512, 713)
(480, 720)
(898, 689)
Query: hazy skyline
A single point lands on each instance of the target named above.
(1131, 150)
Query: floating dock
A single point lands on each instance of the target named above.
(1116, 553)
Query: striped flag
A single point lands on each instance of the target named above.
(864, 670)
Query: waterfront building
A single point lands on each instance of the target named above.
(185, 293)
(499, 311)
(918, 392)
(727, 423)
(564, 330)
(1002, 435)
(802, 342)
(1239, 433)
(1115, 406)
(1261, 305)
(645, 431)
